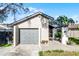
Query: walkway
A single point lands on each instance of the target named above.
(53, 45)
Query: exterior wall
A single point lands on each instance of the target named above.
(73, 33)
(45, 31)
(32, 23)
(15, 36)
(64, 38)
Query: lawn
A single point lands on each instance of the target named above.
(58, 53)
(5, 45)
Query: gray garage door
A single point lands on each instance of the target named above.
(29, 36)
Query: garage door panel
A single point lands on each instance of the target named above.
(29, 36)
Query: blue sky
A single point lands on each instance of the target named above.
(71, 10)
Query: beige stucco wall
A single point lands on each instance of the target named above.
(15, 35)
(73, 33)
(35, 23)
(32, 23)
(45, 31)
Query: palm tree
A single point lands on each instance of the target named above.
(8, 9)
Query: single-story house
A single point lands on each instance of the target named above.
(35, 29)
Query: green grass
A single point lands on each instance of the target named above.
(58, 53)
(5, 45)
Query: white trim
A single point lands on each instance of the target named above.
(39, 36)
(14, 36)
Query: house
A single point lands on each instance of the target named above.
(36, 29)
(33, 29)
(5, 33)
(73, 30)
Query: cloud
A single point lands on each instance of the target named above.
(35, 9)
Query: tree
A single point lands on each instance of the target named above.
(71, 20)
(62, 20)
(8, 9)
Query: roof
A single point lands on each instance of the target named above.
(4, 26)
(31, 16)
(73, 26)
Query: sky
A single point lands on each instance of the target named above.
(71, 10)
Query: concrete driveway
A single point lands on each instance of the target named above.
(20, 50)
(5, 50)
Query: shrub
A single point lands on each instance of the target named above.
(44, 41)
(58, 34)
(41, 53)
(75, 40)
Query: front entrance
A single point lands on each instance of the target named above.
(50, 32)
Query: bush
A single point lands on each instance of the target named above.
(44, 41)
(75, 40)
(58, 35)
(41, 53)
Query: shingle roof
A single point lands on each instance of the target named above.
(31, 16)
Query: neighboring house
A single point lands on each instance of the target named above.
(73, 30)
(33, 29)
(5, 33)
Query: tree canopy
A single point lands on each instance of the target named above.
(7, 9)
(71, 20)
(64, 20)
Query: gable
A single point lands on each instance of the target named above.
(30, 23)
(32, 16)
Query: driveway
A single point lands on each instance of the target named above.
(5, 50)
(20, 50)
